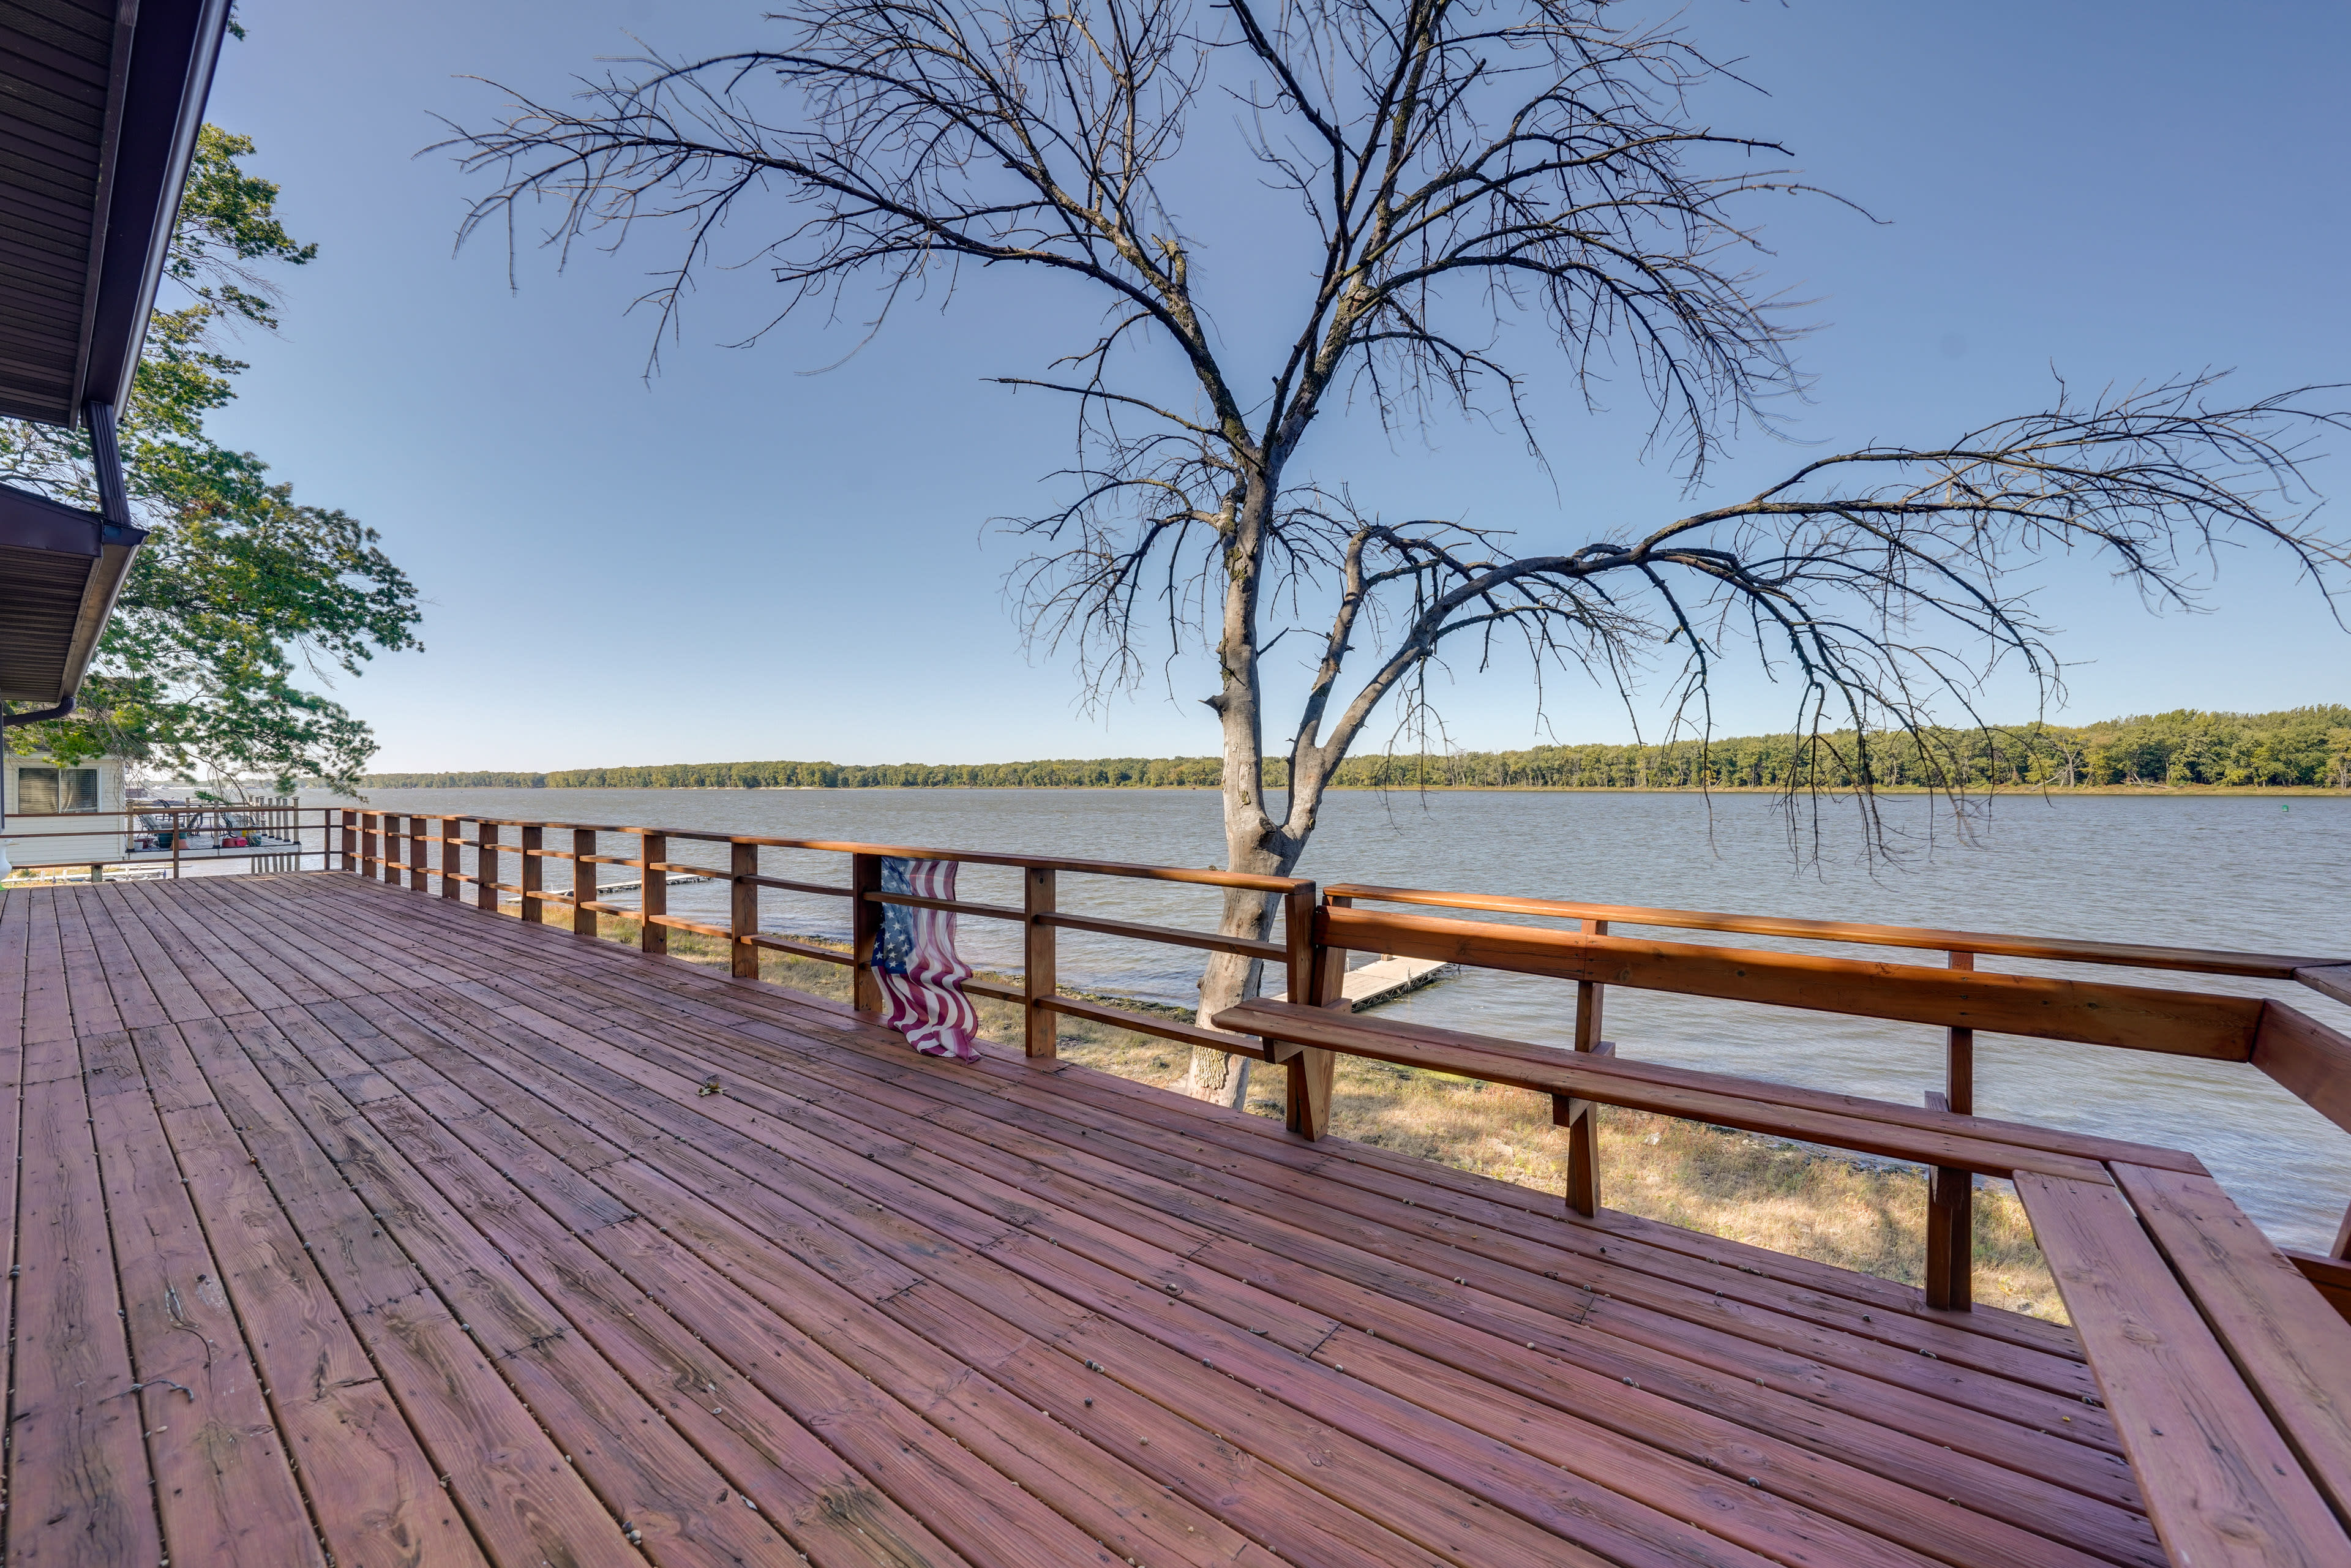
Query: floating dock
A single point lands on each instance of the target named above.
(1385, 980)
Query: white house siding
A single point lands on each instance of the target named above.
(29, 843)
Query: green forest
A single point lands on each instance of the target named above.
(2305, 747)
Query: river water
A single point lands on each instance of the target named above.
(2261, 874)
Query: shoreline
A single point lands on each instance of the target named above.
(2136, 791)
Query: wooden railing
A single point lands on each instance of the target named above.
(373, 845)
(2301, 1053)
(2307, 1057)
(284, 821)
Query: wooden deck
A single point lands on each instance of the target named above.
(362, 1227)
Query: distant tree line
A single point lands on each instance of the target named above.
(2306, 746)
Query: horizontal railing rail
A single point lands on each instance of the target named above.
(286, 828)
(1316, 938)
(2298, 1052)
(2072, 950)
(2176, 1022)
(397, 846)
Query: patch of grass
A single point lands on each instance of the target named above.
(1783, 1196)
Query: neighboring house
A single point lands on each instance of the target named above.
(43, 801)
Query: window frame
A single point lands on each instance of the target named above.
(58, 778)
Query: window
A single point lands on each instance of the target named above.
(40, 789)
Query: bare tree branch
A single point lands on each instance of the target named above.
(1486, 189)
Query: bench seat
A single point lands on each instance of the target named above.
(2227, 1373)
(1839, 1120)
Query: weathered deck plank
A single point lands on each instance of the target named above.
(79, 1486)
(223, 1479)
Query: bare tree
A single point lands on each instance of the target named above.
(1470, 183)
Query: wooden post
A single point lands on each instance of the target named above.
(420, 856)
(453, 865)
(864, 932)
(351, 826)
(392, 855)
(367, 844)
(583, 882)
(744, 918)
(533, 912)
(179, 837)
(1575, 1115)
(653, 893)
(1950, 1194)
(486, 867)
(1330, 965)
(1039, 969)
(1310, 1071)
(1959, 1057)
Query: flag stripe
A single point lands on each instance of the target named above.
(921, 974)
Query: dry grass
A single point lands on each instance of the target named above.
(1783, 1196)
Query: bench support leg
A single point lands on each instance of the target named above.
(1950, 1232)
(1583, 1165)
(1583, 1142)
(1318, 975)
(1310, 1072)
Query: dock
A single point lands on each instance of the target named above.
(1387, 977)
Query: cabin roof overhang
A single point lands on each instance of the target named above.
(99, 104)
(60, 571)
(100, 101)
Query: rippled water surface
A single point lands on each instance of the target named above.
(2262, 874)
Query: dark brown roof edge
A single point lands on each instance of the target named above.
(32, 522)
(174, 48)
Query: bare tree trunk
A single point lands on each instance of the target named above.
(1254, 842)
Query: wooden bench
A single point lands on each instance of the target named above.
(2228, 1377)
(2227, 1373)
(1847, 1122)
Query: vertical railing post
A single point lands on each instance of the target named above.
(350, 824)
(1574, 1114)
(486, 867)
(1950, 1193)
(1309, 1070)
(420, 856)
(179, 839)
(533, 912)
(864, 933)
(743, 919)
(1959, 1057)
(653, 893)
(393, 853)
(1039, 968)
(583, 882)
(453, 853)
(367, 844)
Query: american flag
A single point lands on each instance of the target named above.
(921, 978)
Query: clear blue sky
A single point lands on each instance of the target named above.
(744, 559)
